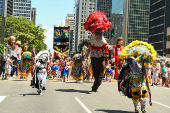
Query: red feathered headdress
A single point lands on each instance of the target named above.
(96, 20)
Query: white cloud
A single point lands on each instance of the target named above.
(49, 38)
(44, 27)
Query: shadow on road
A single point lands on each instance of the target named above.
(114, 111)
(29, 94)
(73, 90)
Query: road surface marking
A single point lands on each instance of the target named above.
(2, 98)
(88, 111)
(160, 104)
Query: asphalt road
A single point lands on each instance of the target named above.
(16, 96)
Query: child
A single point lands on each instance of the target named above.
(8, 66)
(108, 71)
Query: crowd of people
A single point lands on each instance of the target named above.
(159, 73)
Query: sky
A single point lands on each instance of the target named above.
(50, 13)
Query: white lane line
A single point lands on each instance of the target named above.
(2, 98)
(88, 111)
(160, 104)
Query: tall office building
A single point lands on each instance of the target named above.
(106, 7)
(22, 8)
(90, 7)
(70, 21)
(158, 23)
(3, 7)
(136, 20)
(33, 15)
(117, 20)
(81, 14)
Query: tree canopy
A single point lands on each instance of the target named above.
(84, 43)
(25, 31)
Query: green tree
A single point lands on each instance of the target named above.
(84, 43)
(25, 31)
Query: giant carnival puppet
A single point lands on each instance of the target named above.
(97, 23)
(40, 73)
(133, 79)
(25, 63)
(116, 54)
(12, 49)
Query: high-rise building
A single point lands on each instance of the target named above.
(158, 23)
(117, 6)
(22, 8)
(70, 21)
(136, 20)
(90, 7)
(3, 7)
(80, 18)
(106, 7)
(117, 20)
(33, 15)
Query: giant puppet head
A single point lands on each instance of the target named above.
(97, 22)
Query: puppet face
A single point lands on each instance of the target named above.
(12, 40)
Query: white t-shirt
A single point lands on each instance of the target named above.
(155, 71)
(159, 67)
(8, 63)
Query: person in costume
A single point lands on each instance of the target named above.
(41, 72)
(133, 79)
(108, 71)
(116, 54)
(85, 64)
(54, 68)
(97, 23)
(76, 72)
(63, 68)
(25, 64)
(19, 55)
(12, 50)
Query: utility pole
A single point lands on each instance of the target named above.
(3, 30)
(11, 31)
(3, 21)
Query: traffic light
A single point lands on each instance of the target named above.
(112, 32)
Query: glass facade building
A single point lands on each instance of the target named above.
(136, 20)
(22, 8)
(158, 23)
(117, 20)
(106, 7)
(3, 9)
(117, 6)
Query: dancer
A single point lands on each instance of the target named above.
(108, 71)
(76, 72)
(39, 78)
(133, 79)
(25, 64)
(41, 72)
(116, 54)
(97, 23)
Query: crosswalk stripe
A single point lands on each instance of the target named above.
(2, 98)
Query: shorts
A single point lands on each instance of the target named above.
(63, 71)
(7, 70)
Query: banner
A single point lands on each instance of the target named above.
(61, 39)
